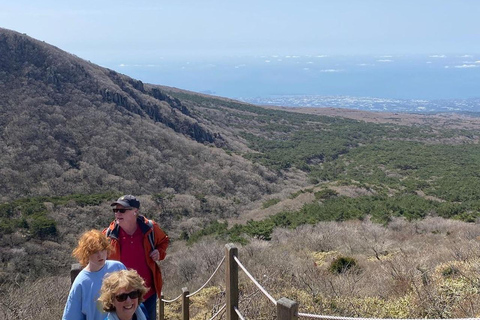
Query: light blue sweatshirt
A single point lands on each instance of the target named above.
(82, 300)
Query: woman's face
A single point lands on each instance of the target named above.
(126, 308)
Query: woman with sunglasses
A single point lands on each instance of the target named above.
(91, 251)
(121, 296)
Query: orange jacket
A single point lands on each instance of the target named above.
(160, 242)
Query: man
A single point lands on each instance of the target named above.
(138, 243)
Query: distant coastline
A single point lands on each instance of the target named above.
(371, 104)
(399, 83)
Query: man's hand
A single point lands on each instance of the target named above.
(155, 255)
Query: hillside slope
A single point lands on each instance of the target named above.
(69, 126)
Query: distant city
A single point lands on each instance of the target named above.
(371, 104)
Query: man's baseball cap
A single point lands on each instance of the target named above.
(127, 201)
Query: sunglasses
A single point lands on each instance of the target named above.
(133, 295)
(121, 210)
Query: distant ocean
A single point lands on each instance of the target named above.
(420, 77)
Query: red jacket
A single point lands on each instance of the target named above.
(160, 242)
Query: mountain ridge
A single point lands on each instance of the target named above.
(83, 121)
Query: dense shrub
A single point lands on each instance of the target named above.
(43, 227)
(342, 264)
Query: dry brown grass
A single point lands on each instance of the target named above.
(423, 269)
(404, 269)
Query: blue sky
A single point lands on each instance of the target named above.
(142, 30)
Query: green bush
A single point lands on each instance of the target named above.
(43, 227)
(270, 203)
(342, 264)
(450, 271)
(325, 194)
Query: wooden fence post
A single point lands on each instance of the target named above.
(287, 309)
(161, 307)
(185, 304)
(231, 281)
(74, 271)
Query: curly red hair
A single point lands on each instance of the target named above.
(90, 242)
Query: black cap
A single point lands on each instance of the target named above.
(127, 201)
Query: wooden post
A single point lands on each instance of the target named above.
(287, 309)
(185, 304)
(231, 270)
(161, 307)
(74, 271)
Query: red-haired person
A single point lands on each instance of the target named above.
(91, 251)
(138, 243)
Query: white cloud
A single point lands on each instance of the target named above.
(385, 60)
(330, 70)
(428, 62)
(267, 61)
(466, 66)
(438, 56)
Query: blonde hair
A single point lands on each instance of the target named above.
(90, 242)
(123, 279)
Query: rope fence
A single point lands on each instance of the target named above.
(218, 312)
(286, 308)
(316, 316)
(213, 274)
(255, 281)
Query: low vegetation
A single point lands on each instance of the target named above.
(423, 269)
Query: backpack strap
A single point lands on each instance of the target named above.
(151, 235)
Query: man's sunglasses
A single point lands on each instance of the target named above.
(121, 210)
(133, 295)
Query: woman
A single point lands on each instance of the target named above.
(121, 295)
(91, 251)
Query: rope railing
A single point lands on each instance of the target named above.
(316, 316)
(213, 274)
(200, 289)
(218, 312)
(173, 300)
(265, 292)
(238, 313)
(286, 309)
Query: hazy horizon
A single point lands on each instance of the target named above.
(429, 77)
(234, 49)
(145, 30)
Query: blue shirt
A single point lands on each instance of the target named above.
(82, 300)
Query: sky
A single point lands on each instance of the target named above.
(129, 31)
